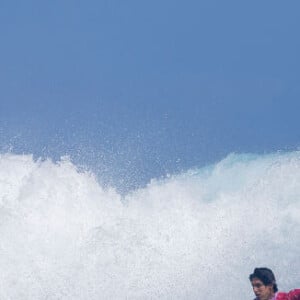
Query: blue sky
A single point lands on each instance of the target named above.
(138, 89)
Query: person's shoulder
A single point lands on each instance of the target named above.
(294, 294)
(281, 296)
(291, 295)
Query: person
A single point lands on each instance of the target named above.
(264, 284)
(265, 287)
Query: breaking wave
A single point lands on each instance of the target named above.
(195, 235)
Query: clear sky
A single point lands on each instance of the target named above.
(138, 89)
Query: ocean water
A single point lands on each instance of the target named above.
(194, 235)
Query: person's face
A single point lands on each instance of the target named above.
(261, 291)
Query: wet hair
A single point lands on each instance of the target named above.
(266, 276)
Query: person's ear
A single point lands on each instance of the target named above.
(270, 286)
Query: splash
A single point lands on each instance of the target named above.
(196, 235)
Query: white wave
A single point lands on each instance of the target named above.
(197, 235)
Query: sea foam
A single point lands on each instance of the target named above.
(194, 235)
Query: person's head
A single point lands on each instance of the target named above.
(264, 283)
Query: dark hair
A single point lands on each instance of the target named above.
(266, 276)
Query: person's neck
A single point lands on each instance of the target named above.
(271, 296)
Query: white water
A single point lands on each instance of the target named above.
(197, 235)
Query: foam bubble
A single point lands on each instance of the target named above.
(195, 235)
